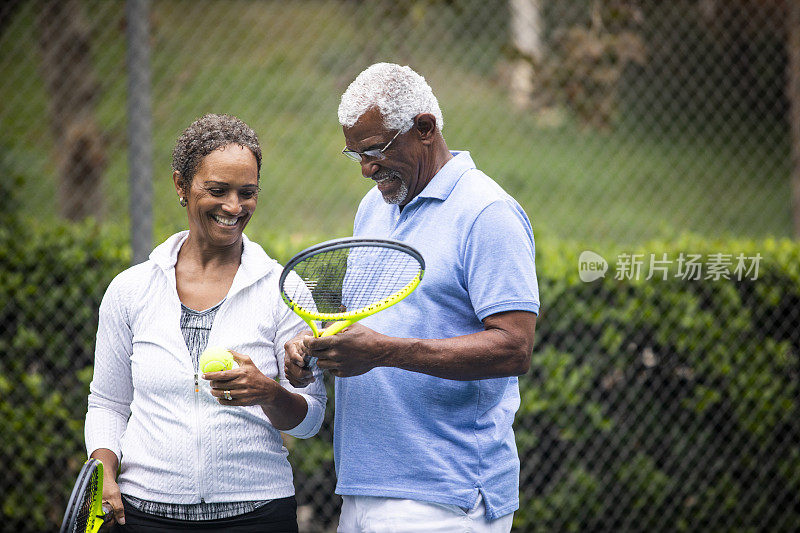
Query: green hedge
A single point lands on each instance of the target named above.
(650, 405)
(667, 405)
(52, 277)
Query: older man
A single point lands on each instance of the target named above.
(426, 391)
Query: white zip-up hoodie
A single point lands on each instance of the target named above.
(148, 404)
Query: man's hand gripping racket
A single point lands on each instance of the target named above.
(341, 281)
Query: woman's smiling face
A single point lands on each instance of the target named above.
(223, 195)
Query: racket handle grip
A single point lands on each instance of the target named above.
(310, 361)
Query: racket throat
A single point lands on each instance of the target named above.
(335, 328)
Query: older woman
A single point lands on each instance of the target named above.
(182, 450)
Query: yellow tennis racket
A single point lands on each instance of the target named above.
(339, 282)
(84, 513)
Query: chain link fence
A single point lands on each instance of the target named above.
(629, 130)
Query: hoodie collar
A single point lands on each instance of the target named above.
(255, 262)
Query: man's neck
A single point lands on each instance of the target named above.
(439, 157)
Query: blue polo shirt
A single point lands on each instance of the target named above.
(409, 435)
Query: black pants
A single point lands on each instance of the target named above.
(278, 516)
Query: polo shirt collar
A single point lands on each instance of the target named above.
(443, 183)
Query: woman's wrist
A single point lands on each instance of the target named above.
(270, 391)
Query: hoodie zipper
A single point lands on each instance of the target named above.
(199, 441)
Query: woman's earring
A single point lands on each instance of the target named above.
(182, 201)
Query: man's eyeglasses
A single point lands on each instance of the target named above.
(357, 156)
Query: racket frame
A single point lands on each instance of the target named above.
(97, 516)
(342, 320)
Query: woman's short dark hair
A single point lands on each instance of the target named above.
(207, 134)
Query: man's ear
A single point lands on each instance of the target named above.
(425, 124)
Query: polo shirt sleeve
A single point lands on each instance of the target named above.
(499, 261)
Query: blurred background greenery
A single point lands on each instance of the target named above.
(692, 134)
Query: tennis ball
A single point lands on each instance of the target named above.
(216, 359)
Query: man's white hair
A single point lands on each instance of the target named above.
(398, 92)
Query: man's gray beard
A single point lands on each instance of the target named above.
(401, 193)
(398, 197)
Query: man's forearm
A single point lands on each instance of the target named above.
(475, 356)
(492, 353)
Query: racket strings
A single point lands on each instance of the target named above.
(85, 516)
(350, 279)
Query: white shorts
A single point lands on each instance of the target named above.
(368, 514)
